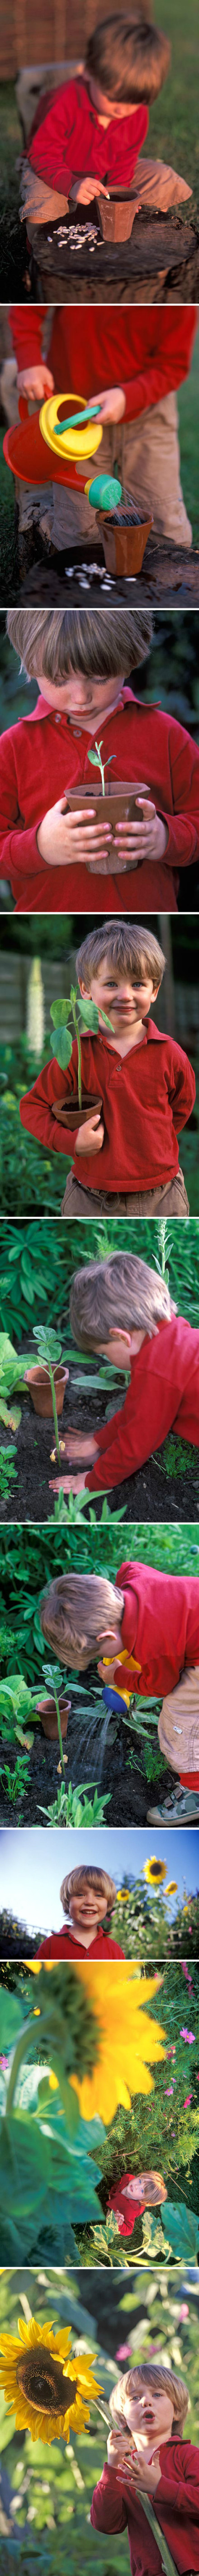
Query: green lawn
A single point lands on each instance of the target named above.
(173, 129)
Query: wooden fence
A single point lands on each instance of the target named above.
(52, 32)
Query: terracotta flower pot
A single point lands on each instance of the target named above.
(47, 1712)
(75, 1117)
(117, 806)
(115, 216)
(40, 1390)
(124, 542)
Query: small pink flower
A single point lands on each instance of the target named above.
(169, 2088)
(189, 2035)
(188, 2098)
(4, 2061)
(123, 2350)
(183, 2312)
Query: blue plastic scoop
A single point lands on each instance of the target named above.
(77, 418)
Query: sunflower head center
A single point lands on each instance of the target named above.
(155, 1868)
(42, 2380)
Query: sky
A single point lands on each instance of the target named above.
(33, 1864)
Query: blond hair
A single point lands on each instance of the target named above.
(127, 945)
(122, 1292)
(88, 1876)
(74, 1610)
(151, 2375)
(60, 640)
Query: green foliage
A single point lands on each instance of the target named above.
(143, 1924)
(12, 1374)
(84, 1015)
(176, 1458)
(28, 1181)
(8, 1473)
(73, 1807)
(16, 1781)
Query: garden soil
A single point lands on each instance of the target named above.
(150, 1495)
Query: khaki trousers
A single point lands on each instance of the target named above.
(170, 1200)
(178, 1724)
(154, 184)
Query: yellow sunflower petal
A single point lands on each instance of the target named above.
(154, 1870)
(47, 2423)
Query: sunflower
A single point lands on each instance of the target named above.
(127, 2040)
(172, 1888)
(155, 1871)
(47, 2387)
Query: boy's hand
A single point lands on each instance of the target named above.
(143, 2476)
(91, 1137)
(35, 382)
(61, 840)
(67, 1484)
(144, 840)
(74, 1446)
(119, 2455)
(85, 189)
(112, 404)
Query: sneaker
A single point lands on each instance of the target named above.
(180, 1809)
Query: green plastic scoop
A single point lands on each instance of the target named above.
(76, 417)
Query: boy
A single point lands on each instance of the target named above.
(88, 1898)
(89, 134)
(126, 1157)
(82, 661)
(134, 361)
(152, 1619)
(160, 1350)
(147, 2456)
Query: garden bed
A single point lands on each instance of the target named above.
(145, 1496)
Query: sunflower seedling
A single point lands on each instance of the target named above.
(84, 1015)
(97, 763)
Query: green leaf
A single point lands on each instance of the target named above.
(60, 1011)
(181, 2227)
(63, 1050)
(93, 757)
(89, 1014)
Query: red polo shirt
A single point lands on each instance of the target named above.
(62, 1946)
(176, 2505)
(160, 1627)
(147, 352)
(163, 1396)
(126, 2211)
(70, 142)
(43, 755)
(146, 1095)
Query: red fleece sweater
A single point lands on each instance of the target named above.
(126, 2211)
(176, 2505)
(146, 1096)
(147, 352)
(62, 1946)
(163, 1395)
(160, 1627)
(43, 755)
(70, 142)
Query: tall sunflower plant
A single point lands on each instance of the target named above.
(143, 1910)
(74, 2055)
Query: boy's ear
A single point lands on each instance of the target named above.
(104, 1633)
(84, 988)
(156, 990)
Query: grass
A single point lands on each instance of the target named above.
(173, 127)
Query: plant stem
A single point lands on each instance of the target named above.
(52, 1383)
(20, 2052)
(168, 2563)
(59, 1731)
(77, 1034)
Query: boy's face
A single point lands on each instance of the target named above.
(87, 1906)
(109, 106)
(150, 2417)
(127, 1000)
(85, 701)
